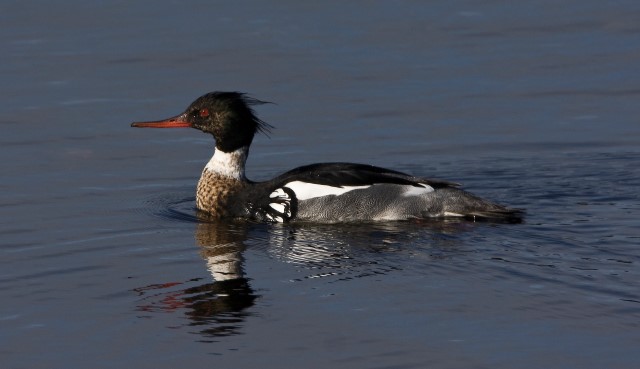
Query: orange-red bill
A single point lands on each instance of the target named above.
(175, 122)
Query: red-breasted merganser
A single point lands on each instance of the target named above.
(327, 192)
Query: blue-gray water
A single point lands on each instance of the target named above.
(534, 104)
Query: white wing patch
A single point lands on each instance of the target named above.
(279, 193)
(305, 190)
(417, 191)
(281, 204)
(277, 207)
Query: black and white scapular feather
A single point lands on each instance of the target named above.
(327, 192)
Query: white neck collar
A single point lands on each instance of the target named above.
(229, 164)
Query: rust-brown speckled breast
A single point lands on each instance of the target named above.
(220, 196)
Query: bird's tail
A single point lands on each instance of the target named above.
(459, 203)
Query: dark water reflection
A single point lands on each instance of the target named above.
(333, 253)
(215, 308)
(360, 250)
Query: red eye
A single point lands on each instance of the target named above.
(204, 113)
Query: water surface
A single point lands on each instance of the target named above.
(531, 104)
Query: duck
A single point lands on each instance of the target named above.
(334, 192)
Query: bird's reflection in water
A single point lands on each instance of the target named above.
(347, 251)
(337, 252)
(217, 308)
(221, 305)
